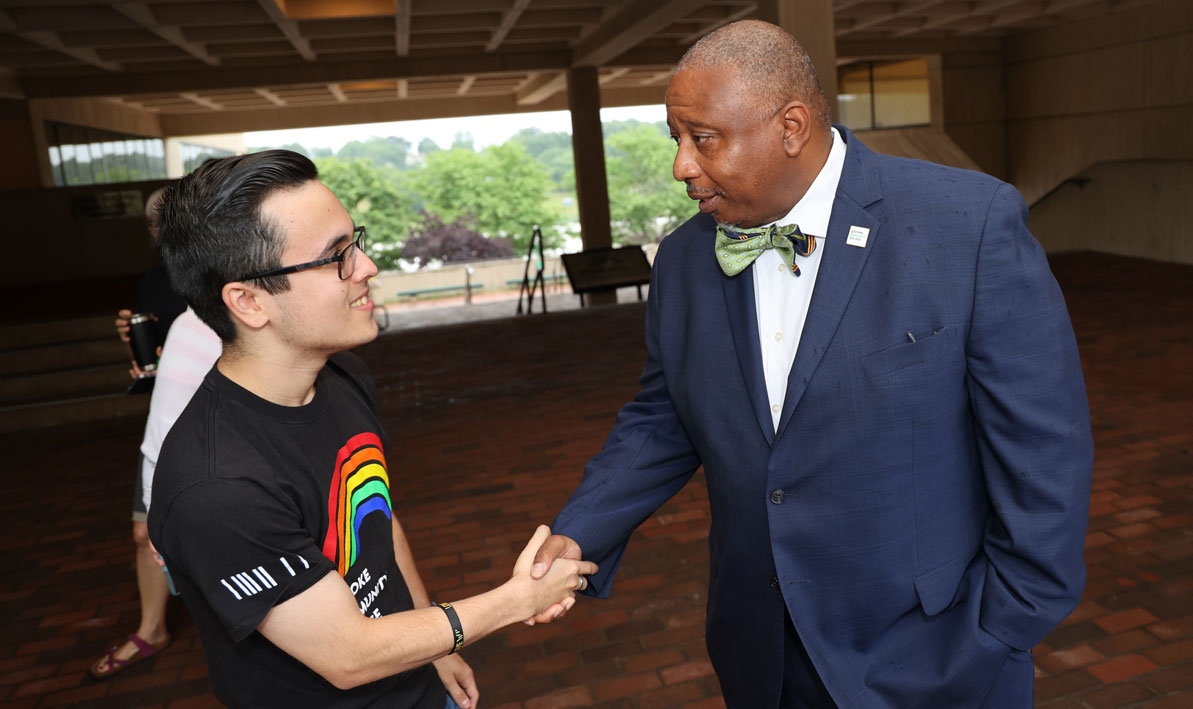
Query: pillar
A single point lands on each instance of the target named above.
(811, 22)
(588, 150)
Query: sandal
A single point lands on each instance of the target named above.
(115, 664)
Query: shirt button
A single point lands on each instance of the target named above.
(775, 408)
(774, 582)
(778, 337)
(782, 268)
(776, 496)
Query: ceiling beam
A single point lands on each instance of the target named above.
(50, 40)
(507, 23)
(541, 88)
(354, 112)
(744, 11)
(289, 28)
(614, 74)
(466, 84)
(128, 83)
(403, 87)
(879, 48)
(949, 18)
(402, 14)
(337, 92)
(902, 10)
(626, 29)
(270, 96)
(1008, 19)
(140, 13)
(205, 102)
(655, 78)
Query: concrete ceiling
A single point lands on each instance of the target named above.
(198, 59)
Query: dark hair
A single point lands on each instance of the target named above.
(212, 232)
(770, 62)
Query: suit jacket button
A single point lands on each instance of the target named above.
(777, 496)
(774, 582)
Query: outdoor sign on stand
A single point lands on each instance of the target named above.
(530, 287)
(598, 270)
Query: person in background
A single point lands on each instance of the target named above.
(186, 353)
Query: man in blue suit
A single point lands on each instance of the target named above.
(883, 387)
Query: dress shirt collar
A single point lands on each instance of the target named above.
(813, 210)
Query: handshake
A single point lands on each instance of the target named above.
(546, 576)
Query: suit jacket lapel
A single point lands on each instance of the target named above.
(840, 267)
(739, 299)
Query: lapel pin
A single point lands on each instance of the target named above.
(858, 236)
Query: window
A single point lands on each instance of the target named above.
(88, 156)
(872, 95)
(195, 155)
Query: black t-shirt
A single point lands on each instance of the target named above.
(253, 503)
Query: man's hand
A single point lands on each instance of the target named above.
(458, 679)
(557, 546)
(122, 325)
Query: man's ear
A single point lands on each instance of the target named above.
(797, 127)
(246, 304)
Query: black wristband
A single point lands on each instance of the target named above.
(457, 629)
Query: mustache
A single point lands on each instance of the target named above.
(696, 193)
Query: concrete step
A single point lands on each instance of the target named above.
(26, 417)
(68, 384)
(57, 332)
(59, 357)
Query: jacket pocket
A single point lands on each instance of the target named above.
(906, 354)
(937, 588)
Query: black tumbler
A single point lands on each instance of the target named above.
(142, 335)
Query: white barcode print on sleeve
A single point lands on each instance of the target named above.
(250, 586)
(230, 589)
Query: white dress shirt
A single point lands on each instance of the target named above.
(781, 298)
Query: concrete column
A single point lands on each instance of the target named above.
(588, 149)
(811, 22)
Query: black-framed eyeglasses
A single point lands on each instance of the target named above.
(345, 260)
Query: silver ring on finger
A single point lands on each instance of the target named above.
(583, 583)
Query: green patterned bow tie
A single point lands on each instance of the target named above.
(737, 248)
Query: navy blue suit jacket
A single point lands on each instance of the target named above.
(935, 491)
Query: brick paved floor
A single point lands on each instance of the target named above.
(491, 423)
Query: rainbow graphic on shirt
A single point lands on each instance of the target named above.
(359, 488)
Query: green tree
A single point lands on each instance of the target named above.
(312, 153)
(463, 141)
(426, 146)
(645, 202)
(554, 151)
(503, 190)
(391, 151)
(376, 197)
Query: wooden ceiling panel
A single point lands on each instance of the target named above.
(161, 52)
(277, 48)
(38, 17)
(353, 44)
(38, 58)
(485, 21)
(204, 56)
(231, 33)
(346, 28)
(456, 39)
(108, 38)
(210, 13)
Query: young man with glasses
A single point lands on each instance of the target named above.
(272, 506)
